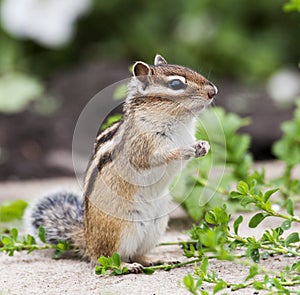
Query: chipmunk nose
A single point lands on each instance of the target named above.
(212, 90)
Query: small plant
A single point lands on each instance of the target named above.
(287, 149)
(112, 263)
(11, 243)
(214, 236)
(194, 189)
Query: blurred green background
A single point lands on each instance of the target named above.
(43, 42)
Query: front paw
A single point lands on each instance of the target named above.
(187, 153)
(201, 148)
(133, 267)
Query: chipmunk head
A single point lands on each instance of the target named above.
(173, 82)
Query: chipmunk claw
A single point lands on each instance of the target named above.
(134, 267)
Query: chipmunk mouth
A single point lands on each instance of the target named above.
(201, 99)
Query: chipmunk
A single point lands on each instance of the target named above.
(124, 207)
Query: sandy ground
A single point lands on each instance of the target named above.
(38, 273)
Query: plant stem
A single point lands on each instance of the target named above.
(171, 266)
(280, 215)
(279, 249)
(179, 243)
(22, 247)
(235, 287)
(204, 182)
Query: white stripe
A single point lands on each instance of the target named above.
(172, 77)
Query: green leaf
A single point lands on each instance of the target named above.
(188, 281)
(99, 270)
(253, 271)
(269, 193)
(219, 286)
(12, 210)
(30, 240)
(125, 270)
(116, 272)
(148, 270)
(210, 217)
(246, 200)
(235, 195)
(293, 5)
(237, 223)
(14, 234)
(116, 259)
(290, 207)
(296, 266)
(257, 219)
(258, 285)
(254, 254)
(62, 246)
(204, 265)
(110, 121)
(243, 188)
(57, 254)
(6, 240)
(102, 260)
(109, 261)
(42, 234)
(286, 224)
(292, 238)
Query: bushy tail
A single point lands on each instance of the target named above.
(61, 214)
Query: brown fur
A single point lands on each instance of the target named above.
(140, 151)
(109, 201)
(168, 70)
(102, 231)
(105, 214)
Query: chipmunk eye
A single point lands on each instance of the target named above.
(176, 84)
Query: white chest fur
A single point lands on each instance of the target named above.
(149, 218)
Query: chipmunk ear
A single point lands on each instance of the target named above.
(159, 60)
(141, 69)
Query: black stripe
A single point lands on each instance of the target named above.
(91, 182)
(108, 134)
(106, 158)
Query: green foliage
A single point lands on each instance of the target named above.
(214, 236)
(228, 143)
(198, 194)
(110, 121)
(200, 25)
(9, 244)
(250, 194)
(110, 263)
(61, 248)
(17, 91)
(194, 189)
(120, 92)
(12, 210)
(239, 36)
(220, 241)
(287, 149)
(293, 5)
